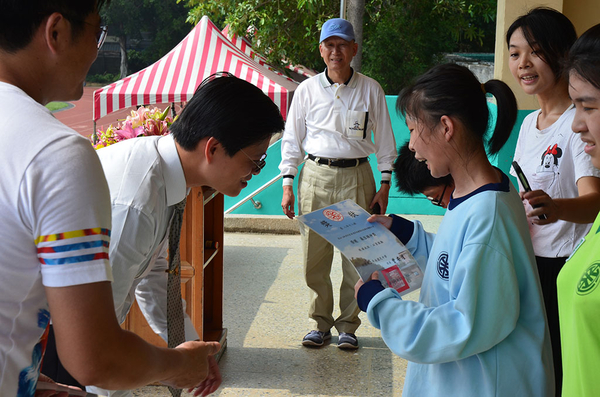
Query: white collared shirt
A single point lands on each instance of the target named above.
(321, 122)
(146, 179)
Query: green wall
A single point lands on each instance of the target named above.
(270, 198)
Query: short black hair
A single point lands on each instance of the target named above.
(412, 176)
(584, 57)
(236, 113)
(550, 32)
(20, 19)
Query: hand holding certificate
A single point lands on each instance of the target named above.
(371, 247)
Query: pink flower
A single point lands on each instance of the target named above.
(127, 131)
(141, 122)
(152, 128)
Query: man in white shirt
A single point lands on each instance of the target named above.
(337, 118)
(147, 176)
(55, 217)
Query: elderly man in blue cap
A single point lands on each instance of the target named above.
(336, 120)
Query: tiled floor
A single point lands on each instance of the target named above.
(265, 307)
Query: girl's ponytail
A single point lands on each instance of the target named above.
(507, 113)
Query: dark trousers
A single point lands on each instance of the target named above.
(52, 367)
(548, 269)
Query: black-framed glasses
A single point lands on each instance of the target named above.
(438, 201)
(258, 165)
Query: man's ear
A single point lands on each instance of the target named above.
(57, 32)
(448, 124)
(211, 147)
(321, 48)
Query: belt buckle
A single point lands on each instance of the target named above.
(357, 162)
(330, 161)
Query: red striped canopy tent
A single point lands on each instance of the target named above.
(243, 44)
(174, 78)
(303, 70)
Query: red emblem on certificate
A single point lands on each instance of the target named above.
(333, 215)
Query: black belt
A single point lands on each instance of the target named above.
(342, 163)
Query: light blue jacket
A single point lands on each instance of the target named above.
(479, 328)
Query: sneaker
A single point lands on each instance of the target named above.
(316, 338)
(347, 341)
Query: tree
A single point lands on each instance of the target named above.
(284, 31)
(401, 38)
(470, 22)
(405, 38)
(356, 11)
(162, 20)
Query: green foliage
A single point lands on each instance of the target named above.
(105, 78)
(468, 20)
(54, 106)
(401, 38)
(282, 31)
(163, 20)
(138, 60)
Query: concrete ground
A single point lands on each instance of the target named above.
(265, 312)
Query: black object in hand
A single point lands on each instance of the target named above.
(525, 184)
(377, 209)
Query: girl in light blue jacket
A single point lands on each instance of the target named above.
(479, 327)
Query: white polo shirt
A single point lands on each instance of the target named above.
(54, 228)
(338, 121)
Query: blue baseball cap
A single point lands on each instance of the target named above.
(337, 27)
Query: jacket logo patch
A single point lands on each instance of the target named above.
(589, 280)
(442, 266)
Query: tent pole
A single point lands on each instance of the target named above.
(94, 134)
(343, 9)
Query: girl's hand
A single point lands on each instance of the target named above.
(360, 283)
(383, 219)
(542, 204)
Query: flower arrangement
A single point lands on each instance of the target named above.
(141, 122)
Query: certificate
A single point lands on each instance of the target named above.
(369, 246)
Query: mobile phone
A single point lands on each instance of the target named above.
(525, 184)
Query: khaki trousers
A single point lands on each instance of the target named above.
(319, 186)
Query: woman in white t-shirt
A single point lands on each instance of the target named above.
(565, 196)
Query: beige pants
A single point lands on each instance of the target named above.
(319, 186)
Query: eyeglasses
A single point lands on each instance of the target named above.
(438, 201)
(101, 35)
(213, 77)
(257, 165)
